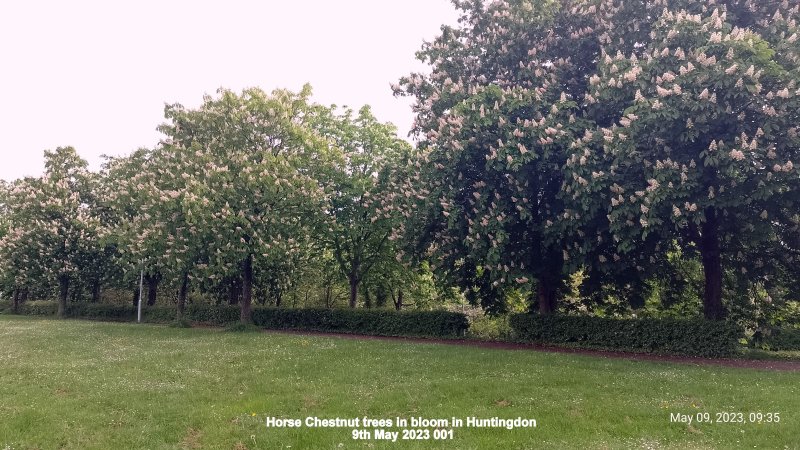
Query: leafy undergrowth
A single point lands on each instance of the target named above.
(497, 329)
(490, 328)
(78, 384)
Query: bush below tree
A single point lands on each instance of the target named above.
(670, 336)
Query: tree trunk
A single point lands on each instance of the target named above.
(233, 292)
(278, 299)
(398, 304)
(367, 298)
(152, 288)
(712, 267)
(15, 305)
(184, 290)
(328, 295)
(63, 284)
(546, 296)
(353, 290)
(96, 289)
(23, 297)
(136, 296)
(246, 315)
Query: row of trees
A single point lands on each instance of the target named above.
(615, 142)
(243, 190)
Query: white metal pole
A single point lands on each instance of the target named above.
(139, 306)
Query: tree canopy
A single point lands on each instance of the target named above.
(558, 141)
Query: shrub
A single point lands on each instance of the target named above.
(210, 314)
(207, 314)
(359, 321)
(491, 328)
(38, 308)
(101, 312)
(364, 321)
(685, 337)
(781, 339)
(159, 314)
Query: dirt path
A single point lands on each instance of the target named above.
(726, 362)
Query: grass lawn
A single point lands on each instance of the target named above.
(76, 384)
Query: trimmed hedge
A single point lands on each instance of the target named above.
(84, 311)
(781, 339)
(102, 312)
(37, 308)
(686, 337)
(359, 321)
(210, 314)
(365, 321)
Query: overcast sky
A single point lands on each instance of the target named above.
(96, 74)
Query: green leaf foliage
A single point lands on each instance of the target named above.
(683, 337)
(359, 321)
(781, 339)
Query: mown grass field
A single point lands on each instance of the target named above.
(90, 385)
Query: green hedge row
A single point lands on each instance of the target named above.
(782, 339)
(37, 308)
(85, 311)
(375, 322)
(358, 321)
(684, 337)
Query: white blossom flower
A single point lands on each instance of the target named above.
(736, 155)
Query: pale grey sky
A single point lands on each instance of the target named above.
(96, 74)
